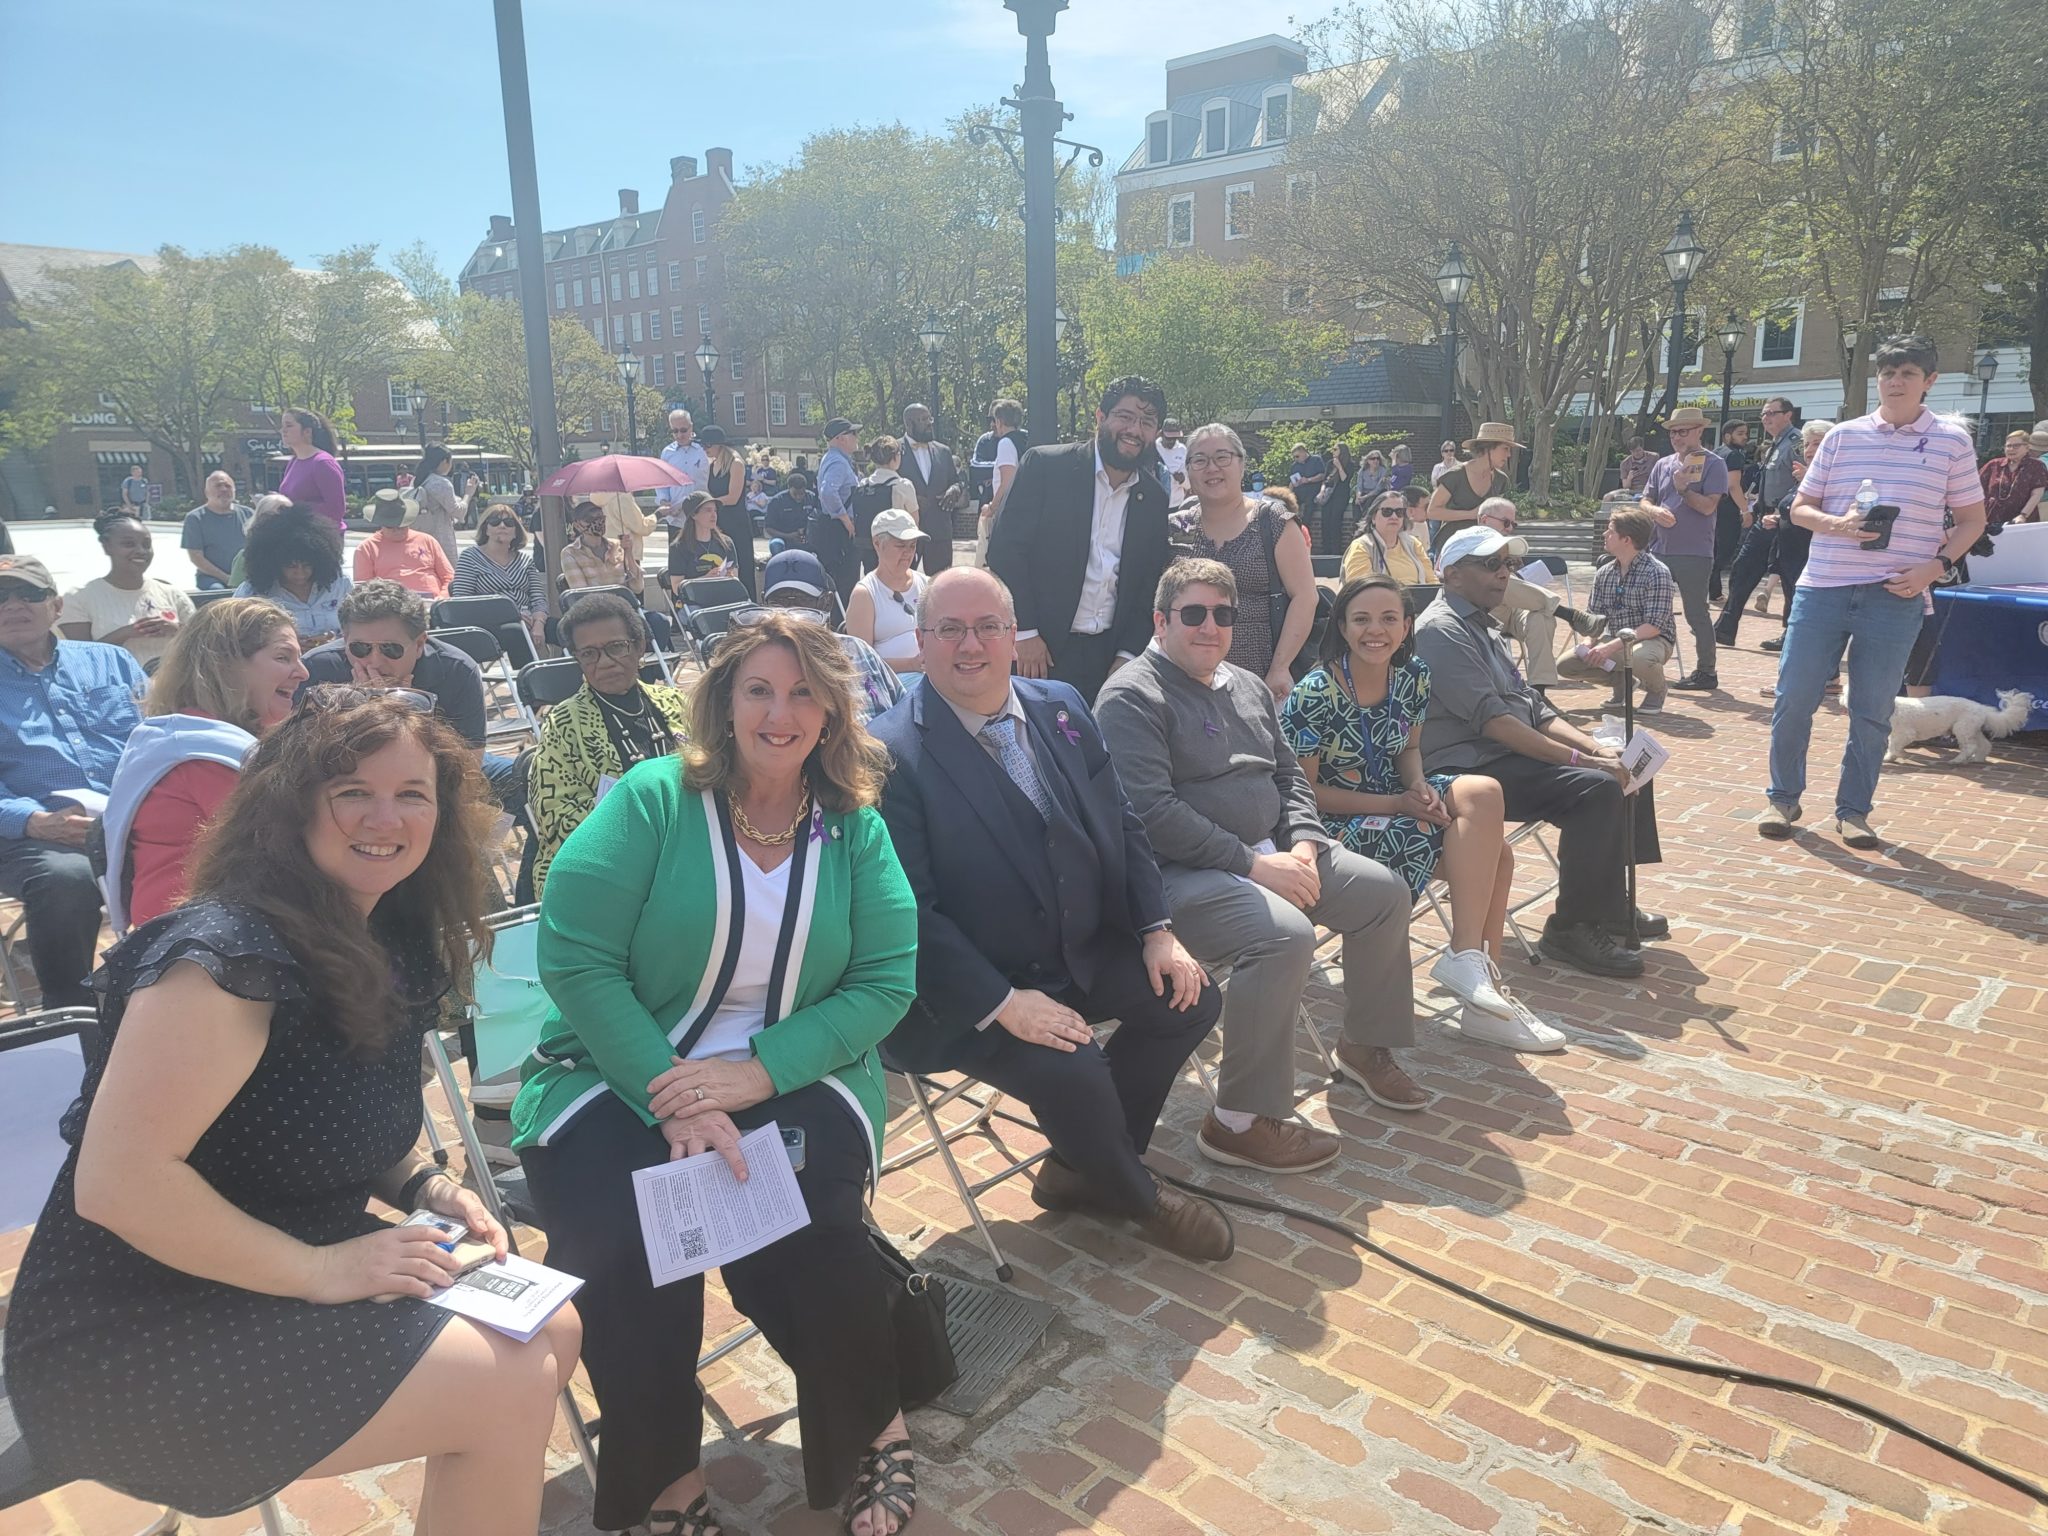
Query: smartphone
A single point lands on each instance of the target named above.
(793, 1145)
(1880, 517)
(470, 1252)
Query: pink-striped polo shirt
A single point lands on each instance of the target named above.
(1923, 469)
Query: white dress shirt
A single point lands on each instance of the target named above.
(692, 461)
(1097, 607)
(922, 452)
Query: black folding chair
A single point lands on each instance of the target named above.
(544, 684)
(712, 592)
(497, 614)
(663, 655)
(482, 647)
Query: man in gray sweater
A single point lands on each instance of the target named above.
(1250, 872)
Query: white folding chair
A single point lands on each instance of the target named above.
(45, 1064)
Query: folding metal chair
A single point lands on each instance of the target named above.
(1438, 894)
(495, 613)
(712, 592)
(544, 684)
(1561, 568)
(1319, 970)
(928, 1095)
(662, 655)
(10, 935)
(36, 1086)
(484, 648)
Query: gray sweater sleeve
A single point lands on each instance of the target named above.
(1302, 823)
(1135, 721)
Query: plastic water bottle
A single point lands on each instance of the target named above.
(1866, 498)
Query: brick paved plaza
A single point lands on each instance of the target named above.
(1808, 1141)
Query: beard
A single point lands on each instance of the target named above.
(1113, 456)
(921, 437)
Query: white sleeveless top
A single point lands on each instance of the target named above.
(895, 625)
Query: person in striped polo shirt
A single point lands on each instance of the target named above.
(1870, 602)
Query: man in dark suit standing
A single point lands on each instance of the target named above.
(1040, 912)
(1082, 543)
(932, 473)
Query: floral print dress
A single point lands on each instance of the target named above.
(1360, 749)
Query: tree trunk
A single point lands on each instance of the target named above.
(2037, 345)
(1593, 467)
(1542, 448)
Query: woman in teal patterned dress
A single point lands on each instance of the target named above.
(1355, 722)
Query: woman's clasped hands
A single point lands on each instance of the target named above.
(695, 1102)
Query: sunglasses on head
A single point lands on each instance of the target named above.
(348, 695)
(392, 650)
(1192, 614)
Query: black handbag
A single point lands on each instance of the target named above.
(1272, 519)
(925, 1366)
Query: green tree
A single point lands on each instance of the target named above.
(178, 350)
(345, 323)
(1205, 331)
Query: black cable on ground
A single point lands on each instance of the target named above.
(1732, 1373)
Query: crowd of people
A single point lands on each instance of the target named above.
(1137, 767)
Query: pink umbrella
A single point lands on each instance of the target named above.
(613, 472)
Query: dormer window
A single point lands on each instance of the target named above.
(1216, 128)
(1158, 139)
(1277, 103)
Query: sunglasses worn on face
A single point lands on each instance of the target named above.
(392, 650)
(1192, 614)
(347, 695)
(501, 522)
(14, 592)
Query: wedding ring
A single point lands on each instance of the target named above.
(700, 1095)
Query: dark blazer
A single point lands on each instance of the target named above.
(1040, 546)
(931, 517)
(988, 904)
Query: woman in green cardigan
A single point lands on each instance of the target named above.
(725, 939)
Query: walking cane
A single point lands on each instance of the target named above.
(1627, 637)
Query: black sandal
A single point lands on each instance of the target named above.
(887, 1480)
(697, 1520)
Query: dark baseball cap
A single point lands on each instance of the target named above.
(26, 571)
(839, 426)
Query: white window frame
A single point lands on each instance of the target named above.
(738, 373)
(639, 334)
(618, 330)
(1159, 120)
(1202, 148)
(1797, 309)
(1301, 189)
(675, 277)
(654, 325)
(632, 282)
(682, 369)
(703, 320)
(1187, 200)
(400, 398)
(703, 269)
(561, 295)
(618, 289)
(698, 229)
(805, 405)
(657, 370)
(1230, 195)
(675, 320)
(739, 408)
(577, 287)
(778, 409)
(1285, 96)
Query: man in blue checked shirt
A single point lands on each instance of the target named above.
(66, 708)
(1635, 591)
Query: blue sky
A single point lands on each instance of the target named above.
(309, 126)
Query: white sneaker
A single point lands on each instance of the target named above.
(1469, 975)
(1524, 1032)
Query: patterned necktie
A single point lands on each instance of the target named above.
(1001, 734)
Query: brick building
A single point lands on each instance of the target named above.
(654, 283)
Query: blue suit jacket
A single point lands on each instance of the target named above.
(988, 906)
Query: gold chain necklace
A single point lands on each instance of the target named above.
(767, 839)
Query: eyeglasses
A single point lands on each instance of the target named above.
(952, 631)
(1143, 421)
(349, 695)
(1490, 563)
(1192, 614)
(391, 650)
(611, 650)
(14, 592)
(1220, 456)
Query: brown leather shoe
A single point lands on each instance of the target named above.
(1375, 1070)
(1190, 1226)
(1267, 1144)
(1056, 1187)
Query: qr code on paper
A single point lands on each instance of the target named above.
(694, 1244)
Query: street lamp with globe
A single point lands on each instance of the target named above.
(629, 375)
(1731, 338)
(933, 338)
(1682, 255)
(707, 364)
(1453, 286)
(416, 397)
(1987, 370)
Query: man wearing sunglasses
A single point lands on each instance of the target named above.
(1249, 870)
(384, 644)
(1484, 718)
(66, 708)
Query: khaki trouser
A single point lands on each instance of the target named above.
(1647, 657)
(1530, 614)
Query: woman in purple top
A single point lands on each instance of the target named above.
(314, 478)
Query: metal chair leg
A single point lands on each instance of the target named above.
(273, 1521)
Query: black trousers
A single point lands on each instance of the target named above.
(1752, 565)
(1727, 539)
(819, 1297)
(1083, 662)
(61, 900)
(737, 524)
(1098, 1105)
(1586, 807)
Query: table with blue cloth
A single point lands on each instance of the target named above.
(1993, 638)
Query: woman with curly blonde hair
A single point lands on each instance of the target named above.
(726, 937)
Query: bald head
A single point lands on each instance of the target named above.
(967, 635)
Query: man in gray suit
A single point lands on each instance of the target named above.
(930, 468)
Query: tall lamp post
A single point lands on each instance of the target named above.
(707, 364)
(1987, 370)
(933, 339)
(1682, 254)
(416, 397)
(1453, 286)
(1040, 117)
(1731, 338)
(629, 374)
(1851, 334)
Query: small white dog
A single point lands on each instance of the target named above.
(1975, 726)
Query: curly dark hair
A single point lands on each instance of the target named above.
(431, 923)
(290, 534)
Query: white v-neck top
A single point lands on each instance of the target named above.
(743, 1012)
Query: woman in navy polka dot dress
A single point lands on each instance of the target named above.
(208, 1310)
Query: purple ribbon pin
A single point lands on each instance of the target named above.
(1067, 729)
(1208, 726)
(818, 825)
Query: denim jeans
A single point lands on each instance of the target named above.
(1878, 630)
